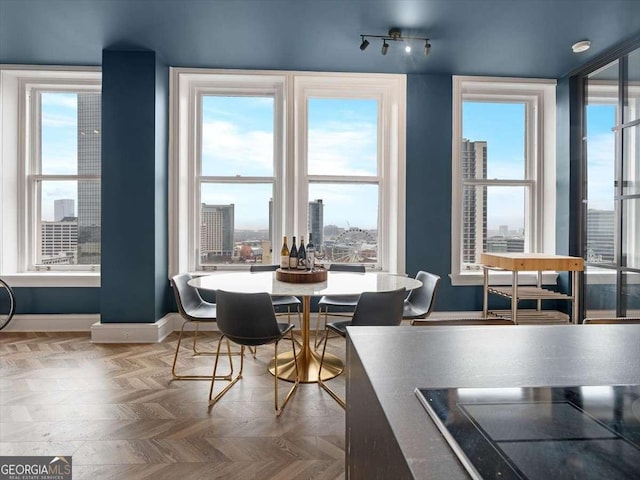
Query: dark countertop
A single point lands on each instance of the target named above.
(396, 360)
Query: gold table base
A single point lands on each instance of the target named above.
(308, 366)
(308, 359)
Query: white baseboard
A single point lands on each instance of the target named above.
(100, 332)
(132, 332)
(52, 322)
(136, 332)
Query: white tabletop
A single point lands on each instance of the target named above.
(338, 283)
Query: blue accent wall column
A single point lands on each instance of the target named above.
(134, 187)
(569, 191)
(428, 183)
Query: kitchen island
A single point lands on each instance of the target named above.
(388, 432)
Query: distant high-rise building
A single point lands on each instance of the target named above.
(216, 231)
(89, 163)
(316, 222)
(600, 235)
(59, 239)
(474, 213)
(64, 207)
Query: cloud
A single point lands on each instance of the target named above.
(59, 110)
(64, 100)
(227, 150)
(339, 148)
(59, 120)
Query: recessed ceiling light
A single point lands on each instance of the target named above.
(581, 46)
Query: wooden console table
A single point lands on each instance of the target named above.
(529, 262)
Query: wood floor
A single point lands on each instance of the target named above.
(114, 409)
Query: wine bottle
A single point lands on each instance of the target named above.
(302, 255)
(293, 255)
(311, 254)
(284, 254)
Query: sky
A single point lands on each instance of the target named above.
(600, 154)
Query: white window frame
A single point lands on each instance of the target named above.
(540, 139)
(290, 150)
(19, 137)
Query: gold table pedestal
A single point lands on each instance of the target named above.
(308, 359)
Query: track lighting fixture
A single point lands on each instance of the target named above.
(395, 35)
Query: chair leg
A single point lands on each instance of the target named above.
(232, 380)
(195, 340)
(333, 394)
(196, 377)
(299, 342)
(316, 341)
(289, 321)
(280, 408)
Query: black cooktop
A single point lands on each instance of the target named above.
(588, 432)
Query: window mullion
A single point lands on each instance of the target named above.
(344, 179)
(498, 182)
(238, 179)
(34, 189)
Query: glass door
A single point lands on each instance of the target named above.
(612, 189)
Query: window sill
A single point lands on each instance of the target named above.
(53, 279)
(502, 278)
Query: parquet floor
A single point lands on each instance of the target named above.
(115, 410)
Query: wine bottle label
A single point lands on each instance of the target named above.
(284, 262)
(293, 262)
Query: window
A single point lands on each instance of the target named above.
(259, 155)
(503, 170)
(51, 162)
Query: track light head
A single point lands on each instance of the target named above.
(427, 48)
(385, 47)
(364, 44)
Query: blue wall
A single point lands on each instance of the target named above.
(428, 244)
(134, 187)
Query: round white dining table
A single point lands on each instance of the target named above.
(337, 284)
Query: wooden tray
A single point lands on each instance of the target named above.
(302, 276)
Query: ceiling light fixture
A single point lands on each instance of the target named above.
(395, 35)
(581, 46)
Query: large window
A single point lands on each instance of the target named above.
(502, 170)
(51, 163)
(256, 156)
